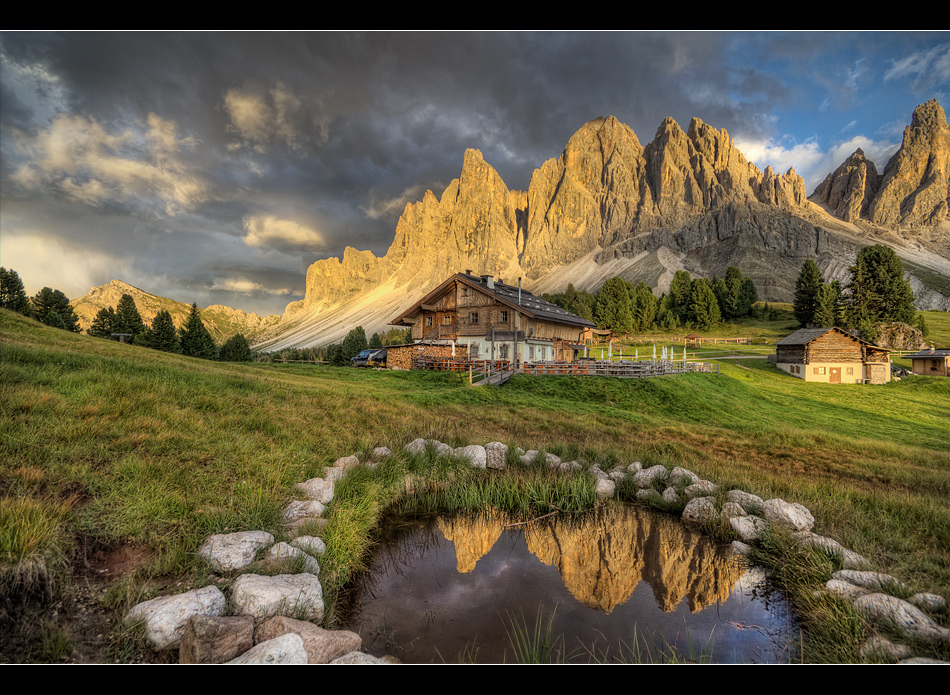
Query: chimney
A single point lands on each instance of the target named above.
(489, 281)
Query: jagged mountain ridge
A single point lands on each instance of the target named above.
(221, 321)
(610, 206)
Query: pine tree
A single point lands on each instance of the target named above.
(807, 291)
(680, 290)
(878, 291)
(828, 312)
(703, 307)
(375, 342)
(354, 342)
(613, 306)
(102, 325)
(12, 294)
(195, 339)
(644, 307)
(235, 349)
(52, 308)
(128, 319)
(162, 334)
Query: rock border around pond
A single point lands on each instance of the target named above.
(270, 618)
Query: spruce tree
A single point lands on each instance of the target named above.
(703, 307)
(807, 291)
(12, 294)
(613, 306)
(102, 325)
(195, 339)
(878, 291)
(52, 307)
(128, 319)
(354, 342)
(235, 349)
(162, 334)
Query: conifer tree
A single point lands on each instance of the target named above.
(128, 319)
(878, 290)
(162, 334)
(703, 307)
(12, 294)
(235, 349)
(195, 339)
(354, 342)
(807, 291)
(613, 306)
(102, 325)
(52, 308)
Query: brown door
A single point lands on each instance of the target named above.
(835, 377)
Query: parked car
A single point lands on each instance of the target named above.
(377, 359)
(360, 359)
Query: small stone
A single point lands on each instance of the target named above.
(701, 509)
(310, 544)
(792, 515)
(749, 528)
(215, 639)
(303, 509)
(605, 487)
(318, 489)
(228, 552)
(751, 503)
(646, 477)
(929, 602)
(286, 649)
(475, 454)
(165, 617)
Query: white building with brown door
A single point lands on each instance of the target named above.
(832, 356)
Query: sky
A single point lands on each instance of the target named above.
(215, 167)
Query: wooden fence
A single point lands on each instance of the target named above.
(491, 371)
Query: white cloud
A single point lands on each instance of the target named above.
(811, 162)
(85, 161)
(269, 230)
(247, 287)
(42, 260)
(924, 67)
(392, 208)
(261, 117)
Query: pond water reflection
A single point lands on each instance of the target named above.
(624, 576)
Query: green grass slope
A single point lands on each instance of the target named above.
(110, 443)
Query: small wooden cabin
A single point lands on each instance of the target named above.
(488, 319)
(931, 362)
(832, 356)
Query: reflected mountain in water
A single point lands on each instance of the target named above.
(602, 557)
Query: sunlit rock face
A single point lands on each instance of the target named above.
(915, 189)
(687, 200)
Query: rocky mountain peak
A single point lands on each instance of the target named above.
(915, 188)
(848, 190)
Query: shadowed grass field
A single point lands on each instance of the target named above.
(103, 444)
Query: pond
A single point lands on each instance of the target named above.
(622, 584)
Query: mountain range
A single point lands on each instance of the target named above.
(221, 321)
(611, 206)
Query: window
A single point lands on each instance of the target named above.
(849, 371)
(464, 291)
(542, 353)
(428, 321)
(503, 352)
(504, 317)
(474, 317)
(531, 352)
(819, 370)
(473, 350)
(446, 320)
